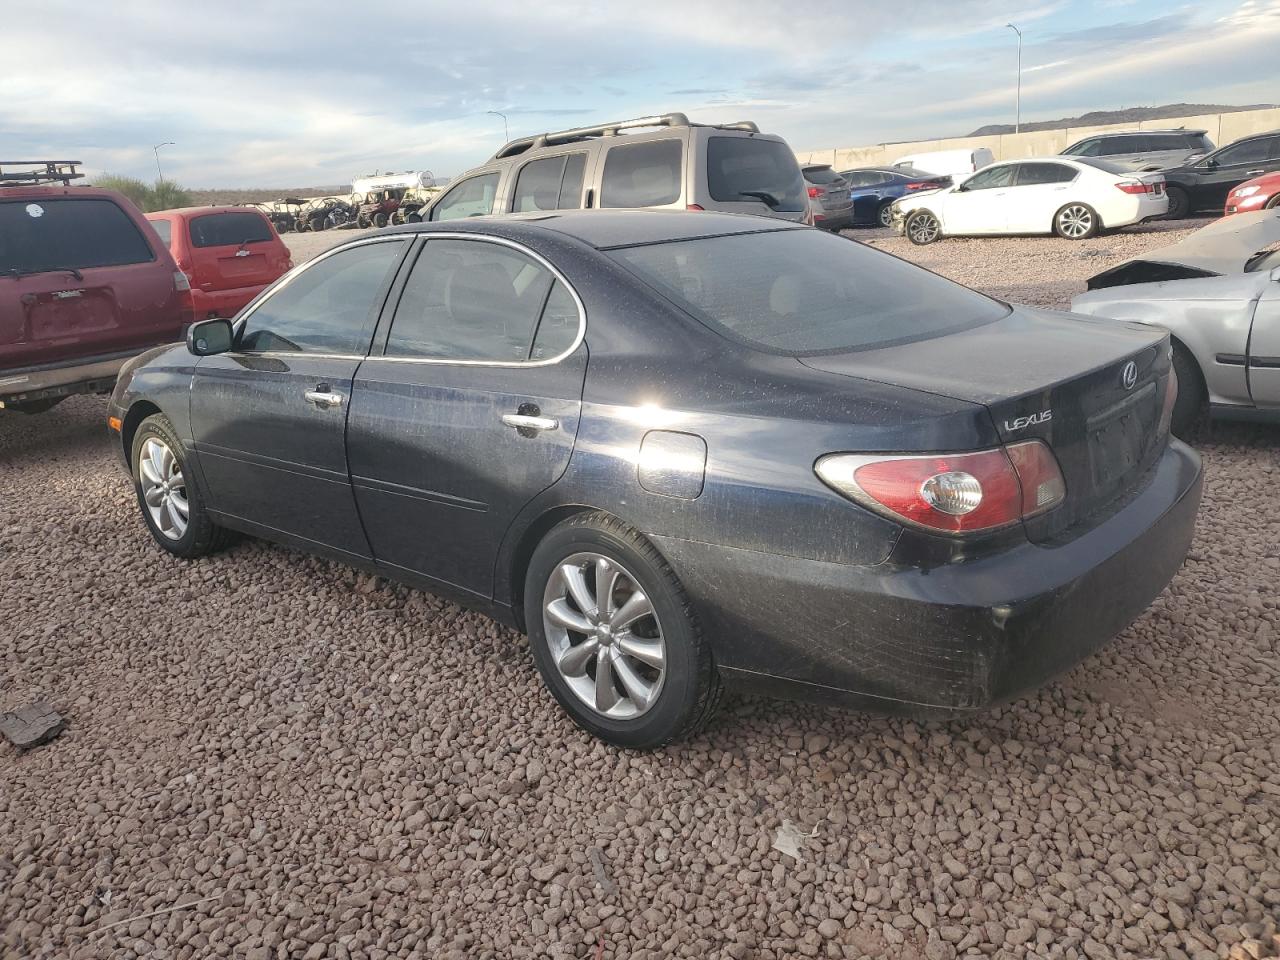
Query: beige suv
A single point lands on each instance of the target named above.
(668, 163)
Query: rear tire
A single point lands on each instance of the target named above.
(160, 481)
(379, 220)
(923, 228)
(1189, 405)
(1076, 221)
(317, 224)
(1179, 203)
(659, 682)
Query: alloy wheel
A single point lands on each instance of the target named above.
(886, 215)
(1076, 221)
(164, 490)
(604, 636)
(923, 228)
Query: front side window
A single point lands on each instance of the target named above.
(642, 174)
(60, 233)
(990, 178)
(229, 229)
(472, 197)
(1251, 151)
(329, 307)
(804, 292)
(1034, 174)
(554, 183)
(480, 301)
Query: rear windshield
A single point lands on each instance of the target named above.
(804, 292)
(229, 229)
(67, 233)
(744, 168)
(820, 175)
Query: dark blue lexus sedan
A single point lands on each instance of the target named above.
(684, 451)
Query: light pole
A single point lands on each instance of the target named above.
(505, 135)
(156, 151)
(1017, 123)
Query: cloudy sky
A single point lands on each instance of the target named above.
(273, 93)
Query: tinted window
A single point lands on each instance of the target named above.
(1085, 148)
(1251, 151)
(642, 174)
(470, 198)
(736, 165)
(328, 307)
(471, 300)
(991, 177)
(1167, 141)
(1031, 174)
(820, 175)
(229, 230)
(1198, 141)
(806, 291)
(558, 327)
(47, 234)
(550, 184)
(163, 229)
(571, 185)
(858, 179)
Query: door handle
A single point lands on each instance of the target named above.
(322, 398)
(1254, 173)
(524, 422)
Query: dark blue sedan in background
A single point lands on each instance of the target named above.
(873, 190)
(684, 450)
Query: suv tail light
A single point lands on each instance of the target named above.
(955, 493)
(816, 192)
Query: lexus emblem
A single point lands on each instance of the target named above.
(1129, 375)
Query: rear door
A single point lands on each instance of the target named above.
(82, 279)
(232, 249)
(1264, 344)
(269, 419)
(1039, 191)
(470, 410)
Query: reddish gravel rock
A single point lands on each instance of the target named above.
(353, 769)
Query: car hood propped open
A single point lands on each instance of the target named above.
(1224, 247)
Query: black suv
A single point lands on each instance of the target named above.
(1204, 184)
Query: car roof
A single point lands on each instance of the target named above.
(58, 190)
(187, 213)
(1139, 133)
(607, 229)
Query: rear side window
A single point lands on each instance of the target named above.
(1031, 174)
(472, 300)
(1086, 148)
(229, 229)
(743, 168)
(642, 174)
(71, 234)
(1198, 141)
(163, 229)
(470, 198)
(551, 184)
(804, 292)
(327, 308)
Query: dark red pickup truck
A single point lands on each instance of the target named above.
(85, 284)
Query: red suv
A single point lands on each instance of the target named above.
(84, 286)
(229, 254)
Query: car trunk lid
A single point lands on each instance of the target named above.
(1092, 390)
(233, 249)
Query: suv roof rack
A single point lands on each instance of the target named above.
(41, 171)
(610, 129)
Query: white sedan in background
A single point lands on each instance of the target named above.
(1074, 198)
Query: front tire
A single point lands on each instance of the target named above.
(614, 635)
(1189, 405)
(171, 506)
(923, 228)
(1273, 202)
(884, 216)
(1076, 221)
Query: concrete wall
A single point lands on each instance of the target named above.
(1223, 128)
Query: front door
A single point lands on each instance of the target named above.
(982, 206)
(1233, 165)
(470, 411)
(269, 418)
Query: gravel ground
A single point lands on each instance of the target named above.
(294, 760)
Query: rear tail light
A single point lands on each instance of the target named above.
(922, 185)
(955, 493)
(815, 192)
(1136, 186)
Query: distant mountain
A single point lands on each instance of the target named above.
(1097, 118)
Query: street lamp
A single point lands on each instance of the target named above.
(1017, 123)
(156, 151)
(505, 135)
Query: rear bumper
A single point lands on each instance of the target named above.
(88, 375)
(223, 303)
(834, 219)
(945, 640)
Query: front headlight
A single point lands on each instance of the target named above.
(1245, 191)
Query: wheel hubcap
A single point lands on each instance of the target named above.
(886, 216)
(604, 636)
(1075, 221)
(924, 228)
(164, 490)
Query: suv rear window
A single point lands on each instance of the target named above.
(66, 233)
(804, 292)
(642, 174)
(820, 175)
(229, 229)
(736, 165)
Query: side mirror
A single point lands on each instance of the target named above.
(208, 337)
(1210, 163)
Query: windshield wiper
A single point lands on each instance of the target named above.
(768, 199)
